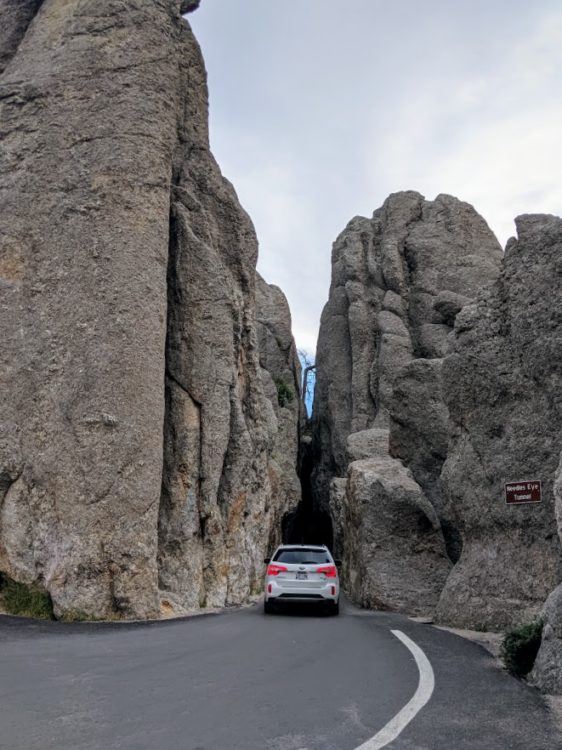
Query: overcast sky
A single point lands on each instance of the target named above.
(321, 108)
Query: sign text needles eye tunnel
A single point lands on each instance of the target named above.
(526, 491)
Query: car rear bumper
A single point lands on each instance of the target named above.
(280, 593)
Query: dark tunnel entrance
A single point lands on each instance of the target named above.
(307, 524)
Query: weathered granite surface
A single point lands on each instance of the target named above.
(84, 218)
(419, 435)
(388, 272)
(398, 281)
(17, 15)
(547, 673)
(137, 440)
(503, 387)
(231, 454)
(281, 378)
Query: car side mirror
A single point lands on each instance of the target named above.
(267, 560)
(338, 563)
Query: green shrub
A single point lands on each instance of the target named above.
(520, 647)
(25, 599)
(285, 393)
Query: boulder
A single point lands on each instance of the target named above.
(367, 444)
(447, 306)
(394, 557)
(188, 6)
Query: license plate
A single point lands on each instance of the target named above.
(302, 576)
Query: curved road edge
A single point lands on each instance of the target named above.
(423, 693)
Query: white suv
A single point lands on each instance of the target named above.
(302, 573)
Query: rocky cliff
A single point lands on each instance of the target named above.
(438, 382)
(503, 387)
(398, 281)
(140, 433)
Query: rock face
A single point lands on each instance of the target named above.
(398, 281)
(547, 671)
(503, 387)
(419, 434)
(229, 452)
(388, 272)
(137, 438)
(281, 378)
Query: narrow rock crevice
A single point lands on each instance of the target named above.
(307, 523)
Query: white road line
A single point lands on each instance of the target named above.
(423, 693)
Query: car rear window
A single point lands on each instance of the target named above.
(302, 556)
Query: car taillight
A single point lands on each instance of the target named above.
(330, 571)
(274, 570)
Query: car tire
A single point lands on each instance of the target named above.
(268, 607)
(334, 608)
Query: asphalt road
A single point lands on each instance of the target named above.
(245, 681)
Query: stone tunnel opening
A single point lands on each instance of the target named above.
(307, 524)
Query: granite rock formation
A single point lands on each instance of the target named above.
(388, 272)
(398, 281)
(503, 387)
(137, 446)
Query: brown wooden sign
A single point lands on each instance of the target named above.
(526, 491)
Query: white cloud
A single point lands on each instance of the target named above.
(284, 217)
(493, 139)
